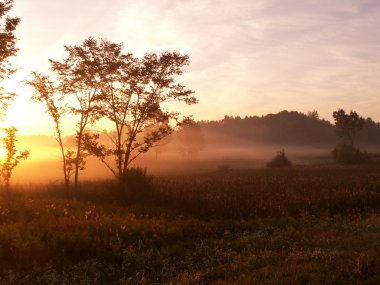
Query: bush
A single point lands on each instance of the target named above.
(347, 154)
(280, 160)
(224, 168)
(138, 184)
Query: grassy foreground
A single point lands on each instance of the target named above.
(302, 225)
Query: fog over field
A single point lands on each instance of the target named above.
(44, 164)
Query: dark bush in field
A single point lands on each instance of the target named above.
(138, 184)
(347, 154)
(224, 168)
(280, 160)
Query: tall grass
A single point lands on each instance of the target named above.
(302, 225)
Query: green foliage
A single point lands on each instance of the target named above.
(348, 154)
(280, 160)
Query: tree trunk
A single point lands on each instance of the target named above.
(77, 161)
(65, 176)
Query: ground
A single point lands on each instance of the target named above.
(299, 225)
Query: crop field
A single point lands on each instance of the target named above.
(315, 224)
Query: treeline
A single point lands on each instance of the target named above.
(285, 128)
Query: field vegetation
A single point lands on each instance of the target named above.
(299, 225)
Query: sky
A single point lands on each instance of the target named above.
(246, 57)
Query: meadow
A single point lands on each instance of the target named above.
(316, 224)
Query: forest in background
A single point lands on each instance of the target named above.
(242, 142)
(288, 128)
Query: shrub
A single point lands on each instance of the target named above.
(224, 168)
(347, 154)
(280, 160)
(138, 184)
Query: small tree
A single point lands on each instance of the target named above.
(12, 159)
(347, 125)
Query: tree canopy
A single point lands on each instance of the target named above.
(348, 125)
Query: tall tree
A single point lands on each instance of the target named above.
(133, 98)
(79, 82)
(7, 49)
(348, 125)
(47, 93)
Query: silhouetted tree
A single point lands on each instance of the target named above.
(47, 93)
(7, 49)
(79, 82)
(313, 114)
(133, 95)
(12, 159)
(347, 125)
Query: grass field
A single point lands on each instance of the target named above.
(300, 225)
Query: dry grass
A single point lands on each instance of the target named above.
(303, 225)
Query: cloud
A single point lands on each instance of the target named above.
(247, 57)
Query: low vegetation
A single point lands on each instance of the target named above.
(280, 160)
(299, 225)
(347, 154)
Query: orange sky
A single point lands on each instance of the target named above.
(247, 57)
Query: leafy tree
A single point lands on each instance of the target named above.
(47, 93)
(78, 77)
(133, 97)
(12, 159)
(7, 49)
(348, 125)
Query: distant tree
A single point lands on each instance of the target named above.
(12, 159)
(191, 140)
(347, 125)
(313, 114)
(47, 93)
(133, 97)
(160, 146)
